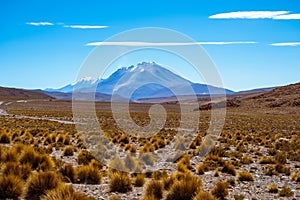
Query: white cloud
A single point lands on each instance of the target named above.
(163, 43)
(256, 15)
(40, 23)
(249, 15)
(85, 26)
(288, 16)
(286, 44)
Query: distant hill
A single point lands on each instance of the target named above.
(258, 90)
(285, 99)
(13, 93)
(286, 96)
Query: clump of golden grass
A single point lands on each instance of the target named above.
(63, 192)
(154, 188)
(147, 158)
(229, 169)
(39, 183)
(68, 151)
(272, 188)
(88, 175)
(185, 188)
(119, 182)
(220, 190)
(204, 196)
(84, 157)
(4, 138)
(266, 160)
(14, 168)
(68, 173)
(296, 176)
(245, 176)
(200, 169)
(139, 180)
(239, 197)
(286, 192)
(211, 161)
(11, 187)
(280, 157)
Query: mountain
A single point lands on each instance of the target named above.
(83, 83)
(13, 93)
(145, 80)
(258, 90)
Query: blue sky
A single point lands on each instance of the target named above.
(44, 43)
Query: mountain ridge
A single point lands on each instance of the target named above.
(145, 80)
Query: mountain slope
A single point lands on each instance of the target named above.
(145, 80)
(13, 93)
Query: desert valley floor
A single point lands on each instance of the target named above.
(257, 155)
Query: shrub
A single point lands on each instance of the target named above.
(245, 176)
(155, 188)
(64, 192)
(239, 197)
(272, 188)
(139, 180)
(119, 182)
(280, 168)
(13, 168)
(88, 175)
(68, 151)
(147, 158)
(220, 190)
(68, 173)
(204, 196)
(231, 181)
(213, 161)
(200, 169)
(280, 157)
(4, 138)
(229, 169)
(39, 183)
(131, 162)
(286, 192)
(296, 176)
(8, 155)
(84, 157)
(11, 187)
(45, 162)
(29, 156)
(185, 188)
(266, 160)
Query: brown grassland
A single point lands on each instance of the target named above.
(257, 156)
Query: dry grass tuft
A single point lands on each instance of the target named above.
(88, 175)
(39, 183)
(245, 176)
(11, 187)
(119, 182)
(154, 188)
(63, 192)
(220, 190)
(185, 188)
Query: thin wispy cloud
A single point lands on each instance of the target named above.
(85, 26)
(286, 44)
(40, 23)
(288, 17)
(256, 15)
(164, 43)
